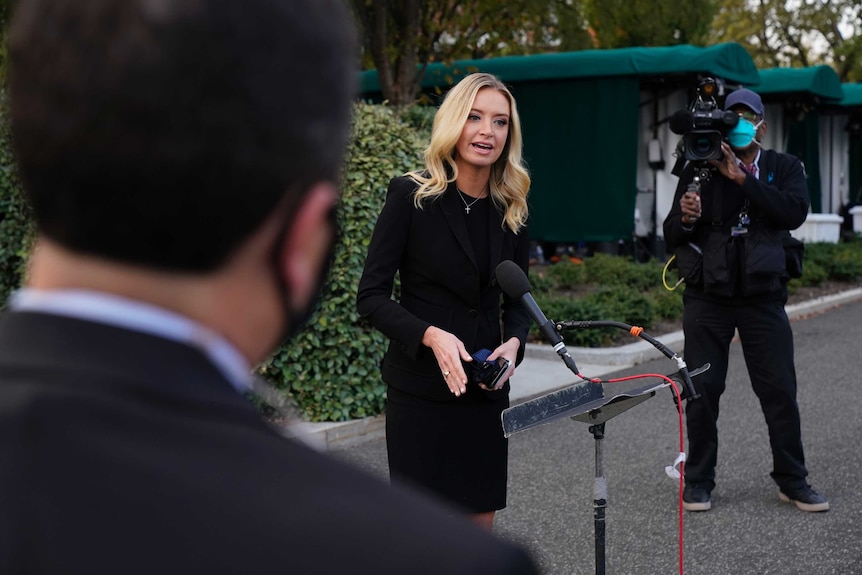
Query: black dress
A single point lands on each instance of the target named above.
(455, 449)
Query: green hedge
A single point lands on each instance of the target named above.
(15, 223)
(836, 262)
(604, 287)
(614, 288)
(332, 369)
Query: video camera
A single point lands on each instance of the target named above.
(704, 126)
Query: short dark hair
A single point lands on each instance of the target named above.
(164, 132)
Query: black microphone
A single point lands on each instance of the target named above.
(515, 284)
(681, 122)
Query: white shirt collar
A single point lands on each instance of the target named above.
(138, 316)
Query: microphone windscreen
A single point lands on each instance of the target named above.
(681, 122)
(512, 279)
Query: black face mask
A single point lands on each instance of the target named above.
(296, 319)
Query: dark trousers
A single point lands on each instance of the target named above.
(767, 345)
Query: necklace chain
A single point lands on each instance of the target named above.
(466, 205)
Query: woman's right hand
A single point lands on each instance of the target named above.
(450, 352)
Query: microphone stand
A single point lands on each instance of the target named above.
(585, 401)
(597, 416)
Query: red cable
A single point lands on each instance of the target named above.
(681, 445)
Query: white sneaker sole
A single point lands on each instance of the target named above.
(810, 507)
(705, 506)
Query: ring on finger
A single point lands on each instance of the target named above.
(446, 373)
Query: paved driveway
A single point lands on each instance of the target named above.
(749, 531)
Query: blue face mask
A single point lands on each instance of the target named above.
(743, 133)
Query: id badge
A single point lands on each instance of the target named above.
(738, 231)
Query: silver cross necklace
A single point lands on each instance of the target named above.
(466, 205)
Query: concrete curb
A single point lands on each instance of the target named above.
(623, 355)
(822, 303)
(641, 350)
(324, 436)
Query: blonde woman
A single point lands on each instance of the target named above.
(444, 230)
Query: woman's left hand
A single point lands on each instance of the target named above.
(450, 352)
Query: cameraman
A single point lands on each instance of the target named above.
(729, 242)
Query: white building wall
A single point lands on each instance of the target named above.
(833, 153)
(776, 137)
(656, 188)
(834, 161)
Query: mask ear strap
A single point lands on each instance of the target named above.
(756, 127)
(297, 319)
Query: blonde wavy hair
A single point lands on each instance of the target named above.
(509, 181)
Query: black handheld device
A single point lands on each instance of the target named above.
(488, 373)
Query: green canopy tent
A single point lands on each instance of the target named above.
(851, 106)
(852, 96)
(817, 81)
(580, 113)
(802, 91)
(729, 61)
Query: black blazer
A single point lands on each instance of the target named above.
(126, 453)
(430, 249)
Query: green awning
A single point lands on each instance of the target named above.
(580, 114)
(819, 81)
(803, 138)
(729, 61)
(852, 95)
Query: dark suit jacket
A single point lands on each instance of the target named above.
(779, 196)
(778, 201)
(126, 453)
(440, 286)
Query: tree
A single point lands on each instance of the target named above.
(795, 33)
(514, 27)
(399, 38)
(627, 23)
(394, 39)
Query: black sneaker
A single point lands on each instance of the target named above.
(804, 498)
(695, 499)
